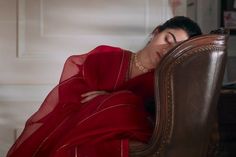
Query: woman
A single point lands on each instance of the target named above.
(99, 104)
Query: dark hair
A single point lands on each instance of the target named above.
(180, 22)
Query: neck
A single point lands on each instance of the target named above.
(137, 67)
(144, 59)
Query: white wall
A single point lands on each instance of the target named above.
(208, 16)
(36, 36)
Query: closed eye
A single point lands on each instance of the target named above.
(169, 39)
(173, 37)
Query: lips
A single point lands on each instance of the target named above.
(159, 55)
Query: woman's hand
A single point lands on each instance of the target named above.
(90, 95)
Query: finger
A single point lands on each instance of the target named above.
(89, 93)
(89, 98)
(92, 93)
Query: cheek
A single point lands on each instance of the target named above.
(158, 40)
(157, 54)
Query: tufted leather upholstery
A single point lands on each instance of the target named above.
(188, 82)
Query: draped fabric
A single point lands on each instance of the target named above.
(102, 127)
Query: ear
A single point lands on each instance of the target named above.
(149, 39)
(155, 31)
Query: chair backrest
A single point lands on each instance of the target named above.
(188, 82)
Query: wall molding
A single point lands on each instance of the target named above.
(44, 43)
(20, 28)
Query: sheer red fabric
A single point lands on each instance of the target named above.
(102, 127)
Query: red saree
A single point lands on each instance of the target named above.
(102, 127)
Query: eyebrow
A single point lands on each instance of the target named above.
(173, 36)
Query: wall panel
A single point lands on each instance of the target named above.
(36, 36)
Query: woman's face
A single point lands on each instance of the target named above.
(162, 42)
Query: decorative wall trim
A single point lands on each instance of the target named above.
(20, 28)
(46, 42)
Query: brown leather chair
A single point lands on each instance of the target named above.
(188, 82)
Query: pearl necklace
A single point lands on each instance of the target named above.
(139, 65)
